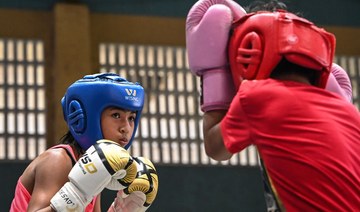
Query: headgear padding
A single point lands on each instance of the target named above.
(86, 99)
(261, 40)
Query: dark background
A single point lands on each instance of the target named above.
(182, 188)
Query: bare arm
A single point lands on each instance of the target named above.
(50, 174)
(97, 207)
(213, 140)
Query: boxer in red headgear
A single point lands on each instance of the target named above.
(338, 81)
(307, 137)
(261, 41)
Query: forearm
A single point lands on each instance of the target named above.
(97, 207)
(213, 141)
(47, 209)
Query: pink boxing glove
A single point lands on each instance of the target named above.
(339, 82)
(208, 25)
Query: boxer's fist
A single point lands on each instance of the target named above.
(92, 173)
(142, 191)
(208, 25)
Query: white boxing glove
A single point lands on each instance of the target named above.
(92, 173)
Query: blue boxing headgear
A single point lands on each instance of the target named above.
(86, 99)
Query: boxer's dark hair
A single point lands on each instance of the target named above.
(68, 138)
(271, 6)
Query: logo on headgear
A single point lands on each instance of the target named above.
(131, 95)
(130, 92)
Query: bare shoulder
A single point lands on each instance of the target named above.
(53, 162)
(45, 176)
(50, 168)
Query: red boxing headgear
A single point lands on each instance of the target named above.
(260, 40)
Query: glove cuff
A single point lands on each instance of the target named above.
(68, 198)
(218, 89)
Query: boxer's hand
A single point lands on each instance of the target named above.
(208, 25)
(339, 82)
(92, 173)
(142, 191)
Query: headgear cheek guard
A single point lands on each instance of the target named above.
(261, 40)
(86, 99)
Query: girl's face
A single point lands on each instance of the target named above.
(118, 125)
